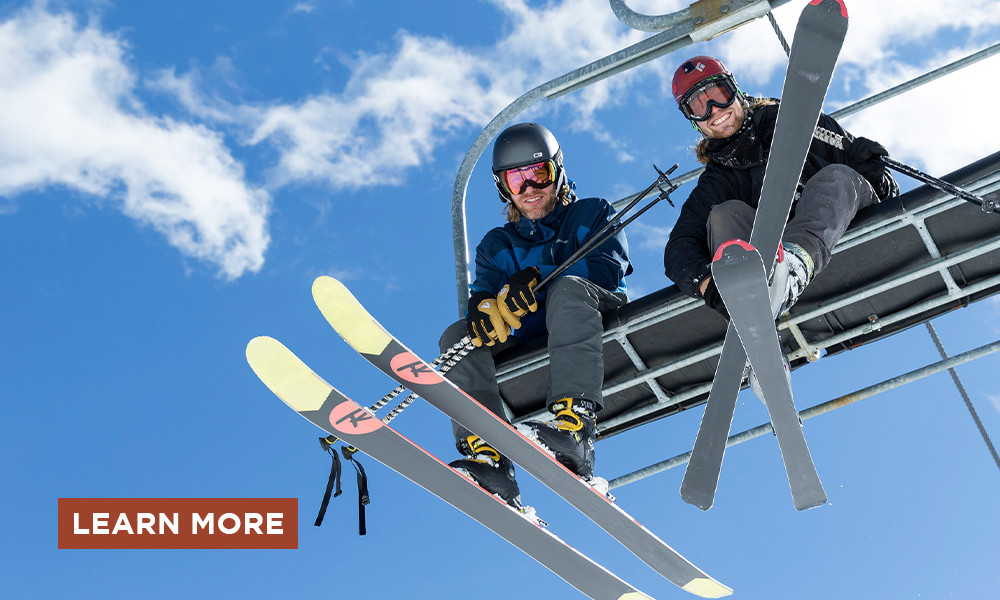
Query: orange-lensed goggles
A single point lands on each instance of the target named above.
(697, 105)
(538, 175)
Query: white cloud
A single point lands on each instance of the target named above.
(919, 127)
(394, 111)
(648, 237)
(398, 107)
(189, 90)
(70, 118)
(69, 102)
(926, 128)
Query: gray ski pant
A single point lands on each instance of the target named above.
(829, 201)
(573, 318)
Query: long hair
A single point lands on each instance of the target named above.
(513, 215)
(750, 105)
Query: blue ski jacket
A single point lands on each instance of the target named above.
(546, 244)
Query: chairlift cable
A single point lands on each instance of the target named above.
(965, 396)
(777, 31)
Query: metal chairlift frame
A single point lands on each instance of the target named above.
(702, 21)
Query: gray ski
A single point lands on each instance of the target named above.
(819, 36)
(701, 477)
(740, 276)
(305, 392)
(362, 332)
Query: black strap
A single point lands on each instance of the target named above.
(333, 481)
(363, 498)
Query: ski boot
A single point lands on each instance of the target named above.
(493, 472)
(792, 273)
(570, 436)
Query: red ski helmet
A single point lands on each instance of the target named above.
(696, 70)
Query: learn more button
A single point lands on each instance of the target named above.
(178, 523)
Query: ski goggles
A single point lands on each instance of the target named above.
(539, 175)
(697, 104)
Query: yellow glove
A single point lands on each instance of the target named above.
(517, 298)
(485, 324)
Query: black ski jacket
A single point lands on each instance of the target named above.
(736, 172)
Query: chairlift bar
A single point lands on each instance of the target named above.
(938, 203)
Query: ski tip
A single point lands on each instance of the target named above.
(259, 349)
(346, 315)
(285, 375)
(330, 289)
(707, 588)
(801, 505)
(635, 596)
(701, 500)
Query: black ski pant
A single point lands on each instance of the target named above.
(574, 310)
(829, 201)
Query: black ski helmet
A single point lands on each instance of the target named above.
(524, 144)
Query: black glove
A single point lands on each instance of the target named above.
(483, 320)
(517, 298)
(863, 156)
(713, 299)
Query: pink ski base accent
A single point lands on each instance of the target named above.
(843, 7)
(745, 245)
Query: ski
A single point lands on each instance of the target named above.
(362, 332)
(308, 394)
(819, 36)
(701, 477)
(742, 280)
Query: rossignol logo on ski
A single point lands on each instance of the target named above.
(414, 370)
(349, 418)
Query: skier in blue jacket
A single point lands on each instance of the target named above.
(546, 223)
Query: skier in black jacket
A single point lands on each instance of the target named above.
(738, 130)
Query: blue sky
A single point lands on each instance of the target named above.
(173, 176)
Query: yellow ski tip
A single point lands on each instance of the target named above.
(286, 375)
(707, 588)
(345, 314)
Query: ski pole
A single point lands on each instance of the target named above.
(596, 239)
(457, 351)
(988, 203)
